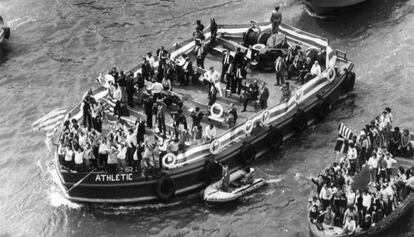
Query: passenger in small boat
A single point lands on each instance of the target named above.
(366, 223)
(349, 226)
(264, 96)
(276, 19)
(251, 94)
(314, 72)
(328, 217)
(405, 149)
(314, 214)
(226, 179)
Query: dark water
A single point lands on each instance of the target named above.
(58, 47)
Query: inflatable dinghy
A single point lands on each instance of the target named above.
(239, 185)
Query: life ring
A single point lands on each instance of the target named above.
(299, 96)
(349, 82)
(322, 110)
(258, 47)
(213, 171)
(165, 187)
(248, 127)
(265, 116)
(218, 107)
(247, 153)
(215, 146)
(331, 74)
(274, 138)
(299, 121)
(168, 161)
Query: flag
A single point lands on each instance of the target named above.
(344, 134)
(50, 122)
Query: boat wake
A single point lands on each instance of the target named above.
(274, 181)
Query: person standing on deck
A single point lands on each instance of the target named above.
(117, 95)
(148, 104)
(200, 54)
(196, 116)
(114, 73)
(264, 96)
(213, 77)
(162, 55)
(225, 62)
(275, 19)
(280, 69)
(130, 89)
(86, 111)
(188, 70)
(251, 94)
(146, 70)
(213, 31)
(151, 61)
(212, 95)
(161, 108)
(352, 156)
(122, 85)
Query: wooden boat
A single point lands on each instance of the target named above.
(320, 7)
(214, 193)
(4, 30)
(256, 132)
(387, 222)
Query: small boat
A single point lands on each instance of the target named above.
(4, 30)
(387, 222)
(237, 188)
(320, 7)
(361, 180)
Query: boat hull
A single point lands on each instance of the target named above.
(131, 187)
(320, 7)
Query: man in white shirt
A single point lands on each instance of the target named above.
(366, 202)
(122, 150)
(151, 61)
(349, 226)
(210, 132)
(156, 89)
(117, 95)
(352, 156)
(373, 168)
(213, 77)
(325, 195)
(316, 69)
(389, 161)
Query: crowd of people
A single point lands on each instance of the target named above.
(340, 203)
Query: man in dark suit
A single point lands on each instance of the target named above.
(281, 70)
(238, 58)
(264, 96)
(146, 70)
(130, 89)
(225, 62)
(188, 71)
(251, 94)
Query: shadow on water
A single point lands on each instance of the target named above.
(4, 51)
(356, 20)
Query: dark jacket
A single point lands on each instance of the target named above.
(265, 94)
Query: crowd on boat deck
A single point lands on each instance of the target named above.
(339, 204)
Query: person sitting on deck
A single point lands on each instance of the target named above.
(197, 132)
(366, 223)
(286, 92)
(232, 116)
(314, 72)
(349, 227)
(251, 94)
(210, 132)
(306, 68)
(166, 84)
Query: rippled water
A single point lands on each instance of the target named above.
(57, 48)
